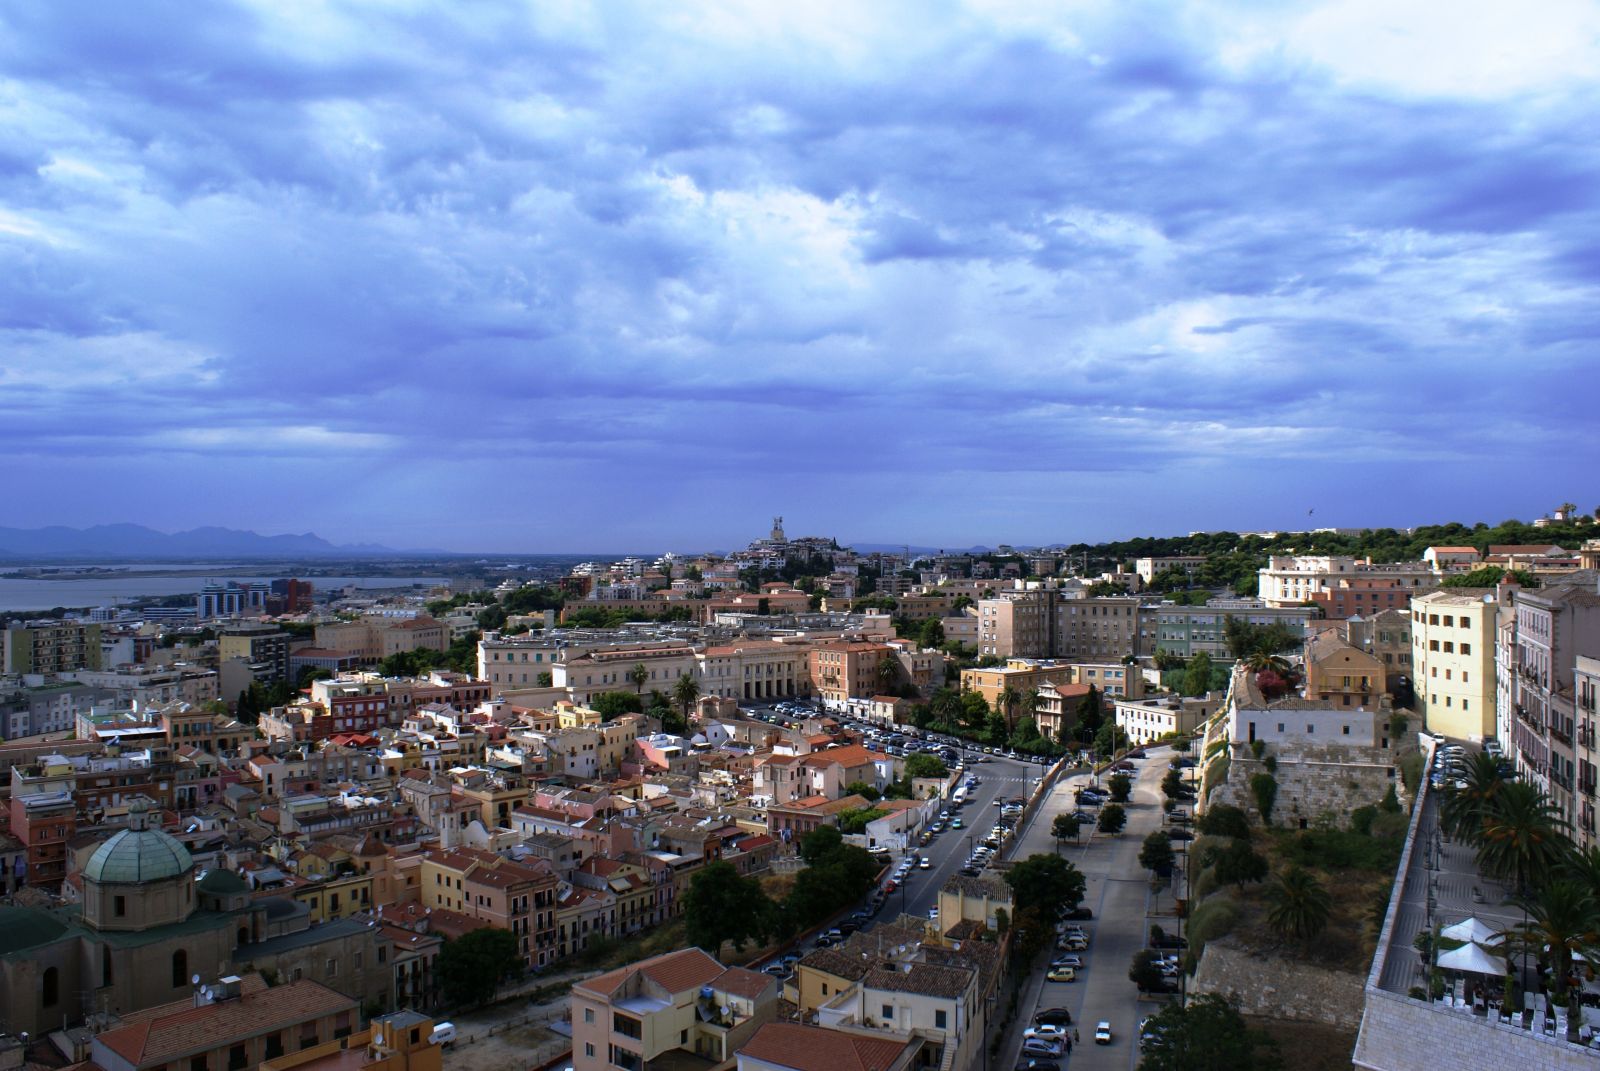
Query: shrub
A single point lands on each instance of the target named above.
(1390, 802)
(1215, 918)
(1203, 884)
(1258, 748)
(1361, 820)
(1340, 849)
(1216, 774)
(1271, 763)
(1265, 788)
(1411, 771)
(1389, 826)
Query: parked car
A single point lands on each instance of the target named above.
(924, 864)
(1073, 960)
(1042, 1046)
(1062, 974)
(1048, 1031)
(1179, 834)
(1038, 1063)
(1052, 1016)
(1102, 1032)
(1078, 914)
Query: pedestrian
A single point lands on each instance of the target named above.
(1075, 1034)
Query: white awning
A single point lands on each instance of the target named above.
(1469, 957)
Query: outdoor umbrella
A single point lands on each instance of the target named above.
(1471, 930)
(1469, 957)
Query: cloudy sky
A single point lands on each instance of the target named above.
(566, 276)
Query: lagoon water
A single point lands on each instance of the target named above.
(36, 594)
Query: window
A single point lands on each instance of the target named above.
(197, 1063)
(888, 1011)
(180, 968)
(274, 1045)
(1347, 730)
(119, 906)
(1466, 648)
(588, 1049)
(627, 1027)
(588, 1015)
(939, 1019)
(237, 1060)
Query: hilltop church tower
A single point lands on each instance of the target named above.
(777, 531)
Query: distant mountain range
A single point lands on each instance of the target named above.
(137, 541)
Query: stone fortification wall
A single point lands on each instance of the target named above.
(1312, 779)
(1278, 988)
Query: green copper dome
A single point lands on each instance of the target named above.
(137, 855)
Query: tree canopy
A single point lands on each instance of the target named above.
(470, 967)
(1047, 884)
(721, 905)
(615, 704)
(1206, 1034)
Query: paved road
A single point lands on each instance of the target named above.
(998, 778)
(1118, 890)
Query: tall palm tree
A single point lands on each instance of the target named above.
(1463, 811)
(1563, 918)
(1007, 700)
(1522, 835)
(685, 692)
(1261, 661)
(638, 675)
(1583, 866)
(1298, 905)
(888, 674)
(1030, 704)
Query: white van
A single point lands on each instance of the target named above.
(444, 1034)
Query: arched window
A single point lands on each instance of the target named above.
(180, 968)
(51, 987)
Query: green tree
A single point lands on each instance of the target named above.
(818, 844)
(856, 819)
(1224, 820)
(1065, 826)
(1110, 739)
(685, 692)
(1145, 971)
(1121, 786)
(1464, 811)
(1006, 704)
(1047, 884)
(1206, 1034)
(545, 679)
(1298, 905)
(946, 706)
(888, 674)
(1113, 817)
(1156, 854)
(920, 764)
(615, 704)
(1522, 835)
(1172, 786)
(995, 731)
(864, 790)
(1563, 921)
(1239, 864)
(639, 674)
(1265, 789)
(721, 905)
(470, 967)
(1197, 677)
(1087, 716)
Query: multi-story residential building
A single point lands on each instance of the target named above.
(520, 897)
(1453, 656)
(50, 706)
(845, 669)
(1056, 709)
(1586, 692)
(784, 1046)
(1147, 568)
(1017, 624)
(1186, 631)
(153, 686)
(1335, 582)
(587, 675)
(256, 645)
(1386, 636)
(1341, 674)
(50, 647)
(1555, 625)
(1115, 680)
(399, 1041)
(683, 1000)
(1148, 720)
(233, 599)
(374, 638)
(44, 817)
(1020, 675)
(233, 1023)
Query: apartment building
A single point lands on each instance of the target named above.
(1554, 626)
(846, 669)
(1020, 675)
(1115, 680)
(1147, 720)
(50, 647)
(1050, 623)
(1386, 636)
(1341, 585)
(1186, 631)
(519, 897)
(1453, 657)
(262, 645)
(1017, 624)
(1341, 674)
(682, 1001)
(1147, 568)
(374, 638)
(1586, 693)
(1057, 708)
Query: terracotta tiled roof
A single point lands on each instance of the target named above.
(676, 972)
(849, 756)
(743, 983)
(923, 979)
(813, 1048)
(177, 1030)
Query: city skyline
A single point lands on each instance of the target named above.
(523, 279)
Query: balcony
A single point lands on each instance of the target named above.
(1558, 733)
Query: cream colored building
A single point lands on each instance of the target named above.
(1292, 579)
(1148, 720)
(1452, 654)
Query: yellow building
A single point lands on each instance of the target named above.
(400, 1041)
(1452, 653)
(1021, 675)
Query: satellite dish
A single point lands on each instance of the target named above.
(377, 1037)
(195, 980)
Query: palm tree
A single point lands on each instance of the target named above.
(1006, 700)
(1030, 704)
(1563, 918)
(1463, 811)
(1583, 866)
(685, 692)
(638, 675)
(1521, 835)
(888, 674)
(1261, 661)
(1298, 905)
